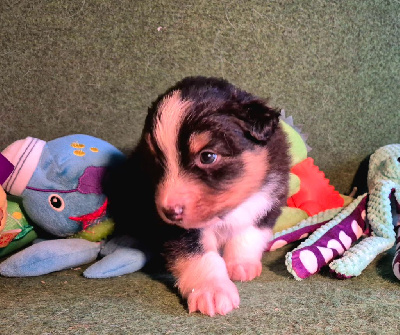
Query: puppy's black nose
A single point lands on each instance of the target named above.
(173, 213)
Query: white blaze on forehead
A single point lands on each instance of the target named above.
(170, 115)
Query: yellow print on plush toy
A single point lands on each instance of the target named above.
(79, 153)
(76, 145)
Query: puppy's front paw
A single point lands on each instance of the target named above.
(244, 271)
(214, 298)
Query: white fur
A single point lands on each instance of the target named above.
(239, 219)
(242, 242)
(204, 281)
(170, 117)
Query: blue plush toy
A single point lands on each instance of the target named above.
(60, 184)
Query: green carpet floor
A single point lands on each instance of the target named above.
(94, 66)
(67, 303)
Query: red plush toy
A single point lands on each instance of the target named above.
(316, 194)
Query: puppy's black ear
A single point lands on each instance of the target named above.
(260, 121)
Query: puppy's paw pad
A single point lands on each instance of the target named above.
(212, 300)
(244, 271)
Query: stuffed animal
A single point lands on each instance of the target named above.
(60, 185)
(310, 191)
(5, 172)
(334, 232)
(15, 232)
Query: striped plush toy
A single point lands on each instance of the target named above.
(334, 233)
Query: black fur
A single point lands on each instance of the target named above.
(238, 120)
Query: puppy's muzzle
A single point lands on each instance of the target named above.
(173, 213)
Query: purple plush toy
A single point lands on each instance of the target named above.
(336, 235)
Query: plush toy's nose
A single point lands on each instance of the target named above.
(173, 213)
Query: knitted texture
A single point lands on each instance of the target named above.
(336, 241)
(321, 250)
(396, 259)
(383, 180)
(302, 229)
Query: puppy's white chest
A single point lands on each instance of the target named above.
(239, 219)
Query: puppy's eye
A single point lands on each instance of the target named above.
(207, 157)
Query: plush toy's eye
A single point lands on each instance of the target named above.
(208, 157)
(56, 202)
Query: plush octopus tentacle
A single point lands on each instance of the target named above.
(329, 241)
(302, 229)
(383, 181)
(370, 214)
(396, 259)
(383, 237)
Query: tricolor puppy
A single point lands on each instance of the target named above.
(216, 162)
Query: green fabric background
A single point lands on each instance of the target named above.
(94, 66)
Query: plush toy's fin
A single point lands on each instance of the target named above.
(297, 128)
(120, 256)
(122, 261)
(315, 194)
(117, 242)
(329, 241)
(49, 256)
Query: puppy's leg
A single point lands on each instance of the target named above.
(203, 280)
(243, 252)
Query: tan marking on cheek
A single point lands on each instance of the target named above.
(171, 112)
(198, 141)
(255, 170)
(201, 203)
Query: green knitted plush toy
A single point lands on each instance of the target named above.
(382, 206)
(333, 241)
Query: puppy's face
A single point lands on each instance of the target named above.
(208, 145)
